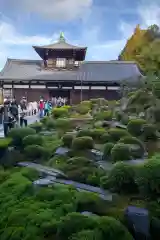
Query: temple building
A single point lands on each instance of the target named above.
(63, 71)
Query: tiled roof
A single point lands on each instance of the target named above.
(60, 45)
(90, 71)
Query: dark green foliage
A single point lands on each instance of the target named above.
(135, 126)
(148, 177)
(91, 203)
(4, 144)
(67, 140)
(50, 124)
(107, 150)
(96, 134)
(74, 223)
(139, 152)
(33, 140)
(120, 179)
(37, 126)
(104, 116)
(60, 112)
(149, 132)
(17, 135)
(84, 133)
(87, 235)
(63, 124)
(120, 152)
(30, 173)
(37, 153)
(82, 108)
(82, 143)
(105, 138)
(116, 134)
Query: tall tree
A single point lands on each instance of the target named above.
(144, 48)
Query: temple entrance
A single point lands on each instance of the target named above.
(63, 93)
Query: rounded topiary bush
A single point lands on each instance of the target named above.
(67, 140)
(18, 134)
(140, 150)
(121, 152)
(116, 134)
(36, 153)
(82, 143)
(84, 133)
(104, 116)
(82, 109)
(32, 140)
(148, 177)
(149, 132)
(37, 126)
(120, 179)
(96, 134)
(60, 112)
(135, 126)
(107, 150)
(63, 124)
(105, 138)
(50, 124)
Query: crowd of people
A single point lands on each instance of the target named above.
(16, 114)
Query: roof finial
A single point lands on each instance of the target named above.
(61, 37)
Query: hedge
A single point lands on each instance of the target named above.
(135, 126)
(32, 140)
(139, 152)
(120, 179)
(107, 150)
(82, 143)
(67, 140)
(17, 135)
(116, 134)
(121, 152)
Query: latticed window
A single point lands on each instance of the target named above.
(61, 62)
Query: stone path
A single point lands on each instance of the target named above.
(51, 179)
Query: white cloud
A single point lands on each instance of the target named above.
(56, 9)
(149, 14)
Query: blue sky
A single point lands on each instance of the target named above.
(101, 25)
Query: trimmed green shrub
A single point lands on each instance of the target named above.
(149, 132)
(107, 150)
(17, 135)
(60, 112)
(135, 126)
(37, 153)
(148, 177)
(50, 124)
(139, 152)
(87, 235)
(32, 140)
(63, 124)
(104, 116)
(82, 143)
(112, 229)
(105, 138)
(120, 179)
(4, 144)
(121, 152)
(67, 140)
(82, 109)
(84, 133)
(125, 119)
(37, 126)
(116, 134)
(96, 134)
